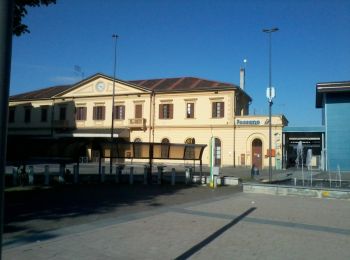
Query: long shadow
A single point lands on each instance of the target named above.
(213, 236)
(34, 211)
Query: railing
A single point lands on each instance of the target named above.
(137, 123)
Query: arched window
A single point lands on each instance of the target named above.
(165, 148)
(189, 150)
(137, 148)
(190, 141)
(217, 152)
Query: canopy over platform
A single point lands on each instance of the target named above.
(69, 150)
(138, 150)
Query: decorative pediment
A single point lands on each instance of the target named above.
(102, 86)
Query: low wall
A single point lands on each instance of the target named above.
(296, 191)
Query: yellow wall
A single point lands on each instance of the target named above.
(236, 137)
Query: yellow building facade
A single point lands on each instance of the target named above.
(177, 110)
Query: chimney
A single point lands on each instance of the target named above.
(242, 78)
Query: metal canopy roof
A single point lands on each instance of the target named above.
(138, 150)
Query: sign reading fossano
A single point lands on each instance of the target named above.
(248, 122)
(252, 122)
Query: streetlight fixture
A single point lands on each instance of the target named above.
(270, 93)
(115, 37)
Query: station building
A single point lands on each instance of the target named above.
(169, 110)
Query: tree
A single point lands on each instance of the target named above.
(20, 11)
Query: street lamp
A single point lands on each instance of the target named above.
(114, 36)
(270, 93)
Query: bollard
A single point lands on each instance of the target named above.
(187, 175)
(61, 174)
(295, 181)
(76, 174)
(103, 170)
(47, 176)
(131, 175)
(159, 175)
(31, 175)
(145, 175)
(14, 176)
(215, 181)
(117, 174)
(173, 176)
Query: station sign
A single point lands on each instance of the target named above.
(251, 122)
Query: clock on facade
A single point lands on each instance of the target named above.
(100, 86)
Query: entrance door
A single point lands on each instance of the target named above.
(257, 153)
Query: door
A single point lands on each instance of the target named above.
(257, 153)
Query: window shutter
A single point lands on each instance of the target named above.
(213, 110)
(84, 113)
(192, 110)
(161, 111)
(138, 111)
(222, 109)
(103, 113)
(94, 114)
(123, 111)
(171, 108)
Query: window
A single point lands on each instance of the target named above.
(164, 153)
(80, 113)
(62, 113)
(189, 150)
(218, 109)
(12, 115)
(119, 112)
(137, 147)
(166, 111)
(99, 113)
(138, 111)
(27, 114)
(190, 110)
(43, 114)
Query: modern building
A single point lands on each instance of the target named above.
(169, 110)
(334, 99)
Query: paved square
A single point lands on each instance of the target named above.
(237, 226)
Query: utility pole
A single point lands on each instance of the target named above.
(6, 14)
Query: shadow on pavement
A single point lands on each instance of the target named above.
(30, 212)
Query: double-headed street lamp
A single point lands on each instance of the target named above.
(270, 93)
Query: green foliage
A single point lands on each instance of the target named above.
(20, 11)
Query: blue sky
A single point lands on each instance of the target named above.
(200, 38)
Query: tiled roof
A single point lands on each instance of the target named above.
(157, 85)
(41, 93)
(181, 84)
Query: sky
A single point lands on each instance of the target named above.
(196, 38)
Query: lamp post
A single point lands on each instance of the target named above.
(270, 93)
(115, 37)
